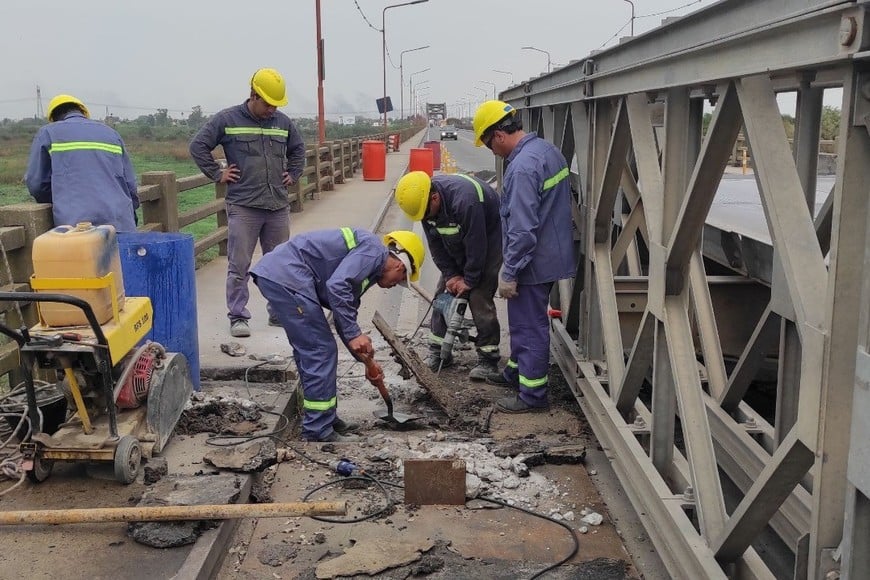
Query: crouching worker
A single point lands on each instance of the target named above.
(460, 216)
(331, 269)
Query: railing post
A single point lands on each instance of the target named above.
(346, 159)
(165, 209)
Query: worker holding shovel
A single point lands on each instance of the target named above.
(331, 269)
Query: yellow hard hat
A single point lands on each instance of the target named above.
(412, 194)
(487, 115)
(64, 100)
(269, 84)
(411, 245)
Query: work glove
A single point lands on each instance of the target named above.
(507, 289)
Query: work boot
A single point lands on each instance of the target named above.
(239, 328)
(497, 378)
(434, 360)
(345, 427)
(336, 437)
(485, 366)
(273, 321)
(517, 405)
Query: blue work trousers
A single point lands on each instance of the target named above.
(315, 352)
(530, 343)
(246, 226)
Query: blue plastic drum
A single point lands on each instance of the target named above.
(162, 267)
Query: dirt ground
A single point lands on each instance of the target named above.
(478, 540)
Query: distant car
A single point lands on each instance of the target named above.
(448, 132)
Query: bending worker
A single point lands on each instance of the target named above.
(460, 216)
(81, 167)
(265, 155)
(538, 246)
(331, 269)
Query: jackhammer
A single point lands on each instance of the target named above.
(452, 308)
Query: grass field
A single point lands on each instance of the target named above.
(145, 155)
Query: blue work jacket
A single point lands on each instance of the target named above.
(536, 215)
(465, 236)
(81, 167)
(330, 267)
(262, 150)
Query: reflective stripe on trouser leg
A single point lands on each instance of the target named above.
(530, 341)
(315, 352)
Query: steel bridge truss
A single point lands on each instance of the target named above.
(662, 356)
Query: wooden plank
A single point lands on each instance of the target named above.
(148, 192)
(193, 181)
(425, 377)
(200, 212)
(214, 238)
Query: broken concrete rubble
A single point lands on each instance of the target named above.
(371, 556)
(253, 456)
(154, 470)
(182, 490)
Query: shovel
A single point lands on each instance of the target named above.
(375, 376)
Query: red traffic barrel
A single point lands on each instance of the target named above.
(374, 160)
(421, 160)
(435, 146)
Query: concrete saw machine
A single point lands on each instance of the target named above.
(121, 396)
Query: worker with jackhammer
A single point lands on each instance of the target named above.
(331, 269)
(460, 216)
(538, 240)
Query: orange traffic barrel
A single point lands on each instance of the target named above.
(421, 160)
(435, 146)
(374, 160)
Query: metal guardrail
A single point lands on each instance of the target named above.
(663, 346)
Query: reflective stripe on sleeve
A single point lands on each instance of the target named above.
(554, 181)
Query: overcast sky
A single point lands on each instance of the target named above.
(131, 58)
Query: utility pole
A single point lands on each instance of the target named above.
(321, 74)
(40, 114)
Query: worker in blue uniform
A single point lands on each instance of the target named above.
(538, 242)
(81, 167)
(265, 154)
(331, 269)
(460, 216)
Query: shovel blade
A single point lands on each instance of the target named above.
(396, 418)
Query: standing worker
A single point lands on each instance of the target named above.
(538, 246)
(265, 155)
(331, 269)
(460, 216)
(81, 167)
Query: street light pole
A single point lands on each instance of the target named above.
(416, 93)
(402, 78)
(384, 51)
(321, 120)
(411, 86)
(549, 62)
(493, 87)
(632, 15)
(505, 72)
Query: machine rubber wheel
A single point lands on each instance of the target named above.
(41, 470)
(128, 458)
